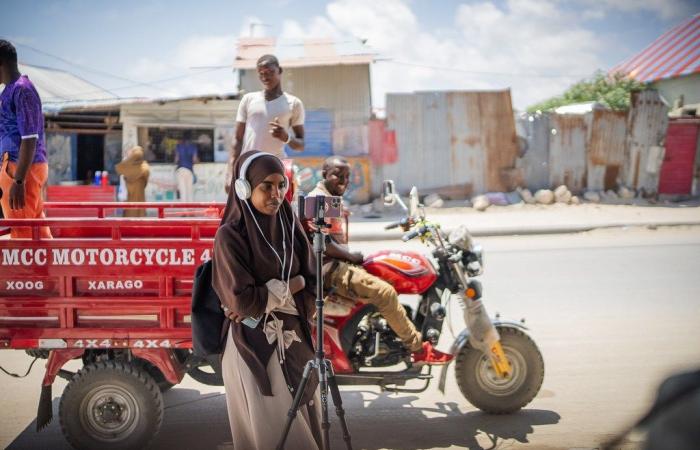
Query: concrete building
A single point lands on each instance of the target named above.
(332, 78)
(158, 125)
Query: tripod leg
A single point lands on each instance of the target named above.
(291, 415)
(338, 402)
(325, 422)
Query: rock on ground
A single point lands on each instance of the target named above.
(497, 198)
(562, 194)
(591, 196)
(433, 201)
(527, 196)
(514, 198)
(480, 203)
(610, 195)
(625, 193)
(544, 196)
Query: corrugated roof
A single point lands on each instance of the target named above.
(674, 53)
(59, 86)
(302, 52)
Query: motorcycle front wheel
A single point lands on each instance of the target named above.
(495, 395)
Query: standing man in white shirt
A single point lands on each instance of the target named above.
(268, 119)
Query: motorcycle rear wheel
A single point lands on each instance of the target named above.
(488, 392)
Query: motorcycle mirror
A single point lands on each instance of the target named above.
(389, 192)
(413, 202)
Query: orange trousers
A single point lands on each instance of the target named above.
(36, 178)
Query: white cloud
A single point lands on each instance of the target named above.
(318, 27)
(668, 9)
(206, 51)
(593, 14)
(483, 45)
(195, 51)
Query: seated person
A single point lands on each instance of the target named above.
(343, 272)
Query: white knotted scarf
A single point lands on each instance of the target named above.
(274, 331)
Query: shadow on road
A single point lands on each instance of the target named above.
(191, 420)
(196, 420)
(389, 421)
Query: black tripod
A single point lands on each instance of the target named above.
(326, 376)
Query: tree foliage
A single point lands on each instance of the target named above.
(612, 91)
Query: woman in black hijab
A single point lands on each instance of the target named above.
(263, 269)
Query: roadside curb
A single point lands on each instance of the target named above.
(518, 230)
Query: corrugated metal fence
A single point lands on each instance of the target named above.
(463, 140)
(599, 150)
(646, 129)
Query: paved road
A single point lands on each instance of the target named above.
(614, 312)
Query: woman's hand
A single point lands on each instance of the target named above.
(296, 284)
(232, 316)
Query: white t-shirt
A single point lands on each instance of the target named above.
(257, 113)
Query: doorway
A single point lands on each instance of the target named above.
(90, 156)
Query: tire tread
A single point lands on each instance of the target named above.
(462, 382)
(87, 372)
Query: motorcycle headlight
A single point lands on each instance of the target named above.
(473, 260)
(461, 238)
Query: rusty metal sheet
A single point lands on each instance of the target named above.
(606, 145)
(567, 151)
(433, 163)
(534, 129)
(404, 117)
(646, 128)
(451, 139)
(466, 161)
(606, 148)
(499, 139)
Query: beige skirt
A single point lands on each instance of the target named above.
(256, 420)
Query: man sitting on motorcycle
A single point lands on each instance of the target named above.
(343, 271)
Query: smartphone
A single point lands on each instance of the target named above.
(251, 322)
(332, 206)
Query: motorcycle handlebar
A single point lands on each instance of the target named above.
(412, 234)
(398, 223)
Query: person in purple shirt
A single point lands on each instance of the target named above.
(24, 170)
(185, 159)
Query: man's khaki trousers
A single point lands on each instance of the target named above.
(353, 281)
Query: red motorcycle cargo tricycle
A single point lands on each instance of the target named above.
(116, 293)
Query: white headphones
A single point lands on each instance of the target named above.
(242, 186)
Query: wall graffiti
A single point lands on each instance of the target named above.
(309, 173)
(61, 152)
(208, 187)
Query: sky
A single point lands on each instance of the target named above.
(155, 48)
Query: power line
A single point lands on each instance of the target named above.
(476, 72)
(89, 69)
(163, 80)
